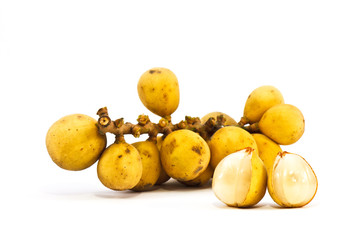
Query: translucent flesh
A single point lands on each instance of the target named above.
(294, 181)
(232, 178)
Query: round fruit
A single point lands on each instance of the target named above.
(151, 166)
(184, 155)
(260, 100)
(158, 90)
(283, 123)
(202, 179)
(240, 179)
(74, 142)
(268, 149)
(292, 182)
(228, 140)
(120, 167)
(228, 120)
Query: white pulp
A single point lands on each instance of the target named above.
(232, 178)
(294, 181)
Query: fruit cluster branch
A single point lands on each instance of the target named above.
(144, 126)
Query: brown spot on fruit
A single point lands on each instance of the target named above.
(198, 169)
(152, 71)
(197, 149)
(120, 156)
(165, 96)
(127, 150)
(171, 146)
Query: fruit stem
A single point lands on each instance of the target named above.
(252, 128)
(145, 126)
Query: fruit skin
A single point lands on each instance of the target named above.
(271, 188)
(184, 155)
(283, 123)
(230, 175)
(163, 177)
(259, 101)
(228, 120)
(151, 166)
(200, 180)
(268, 149)
(258, 182)
(158, 89)
(120, 167)
(74, 142)
(228, 140)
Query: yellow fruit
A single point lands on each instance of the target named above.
(292, 182)
(184, 155)
(268, 149)
(151, 166)
(120, 167)
(283, 123)
(74, 142)
(158, 90)
(228, 120)
(240, 179)
(163, 177)
(202, 179)
(228, 140)
(260, 100)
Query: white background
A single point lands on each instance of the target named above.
(64, 57)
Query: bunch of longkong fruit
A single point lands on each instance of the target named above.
(242, 158)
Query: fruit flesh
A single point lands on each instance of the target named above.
(260, 100)
(283, 123)
(151, 166)
(158, 90)
(184, 155)
(293, 181)
(232, 179)
(74, 142)
(228, 140)
(120, 167)
(240, 179)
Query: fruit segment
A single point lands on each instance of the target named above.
(240, 179)
(293, 181)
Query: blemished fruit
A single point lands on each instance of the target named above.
(228, 140)
(283, 123)
(228, 120)
(202, 179)
(158, 89)
(242, 158)
(151, 166)
(268, 149)
(240, 179)
(163, 177)
(260, 100)
(74, 142)
(184, 155)
(292, 182)
(120, 167)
